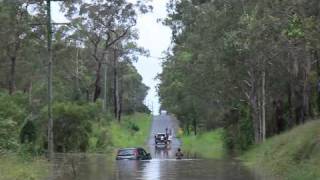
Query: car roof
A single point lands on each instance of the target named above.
(130, 148)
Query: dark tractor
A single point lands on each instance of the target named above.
(161, 138)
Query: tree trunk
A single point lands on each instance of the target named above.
(306, 89)
(120, 109)
(194, 126)
(188, 128)
(117, 99)
(259, 110)
(116, 95)
(290, 107)
(263, 108)
(104, 106)
(30, 92)
(115, 86)
(87, 95)
(77, 74)
(253, 101)
(50, 90)
(97, 87)
(12, 80)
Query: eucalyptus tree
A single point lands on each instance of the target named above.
(14, 30)
(124, 54)
(242, 63)
(101, 24)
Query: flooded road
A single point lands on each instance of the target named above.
(163, 166)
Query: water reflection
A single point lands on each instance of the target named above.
(152, 171)
(164, 166)
(99, 167)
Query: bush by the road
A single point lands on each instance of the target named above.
(12, 116)
(72, 125)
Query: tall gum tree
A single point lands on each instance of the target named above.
(101, 24)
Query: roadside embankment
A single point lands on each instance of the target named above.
(13, 167)
(207, 145)
(292, 155)
(131, 131)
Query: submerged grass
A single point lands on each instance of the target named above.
(207, 145)
(12, 167)
(292, 155)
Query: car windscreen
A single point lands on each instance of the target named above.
(159, 135)
(126, 152)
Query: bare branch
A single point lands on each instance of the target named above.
(247, 83)
(118, 37)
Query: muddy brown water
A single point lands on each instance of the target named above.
(163, 166)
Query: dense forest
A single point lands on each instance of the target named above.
(249, 66)
(93, 77)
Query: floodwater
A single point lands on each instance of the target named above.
(163, 166)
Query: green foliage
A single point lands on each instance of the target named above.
(292, 155)
(132, 131)
(238, 135)
(72, 125)
(100, 137)
(132, 126)
(12, 116)
(257, 57)
(28, 132)
(127, 136)
(77, 79)
(295, 29)
(8, 140)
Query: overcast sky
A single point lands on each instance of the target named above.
(153, 36)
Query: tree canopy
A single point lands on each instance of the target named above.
(249, 64)
(93, 57)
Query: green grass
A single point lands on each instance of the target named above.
(292, 155)
(132, 131)
(207, 145)
(124, 136)
(14, 168)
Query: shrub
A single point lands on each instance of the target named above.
(238, 135)
(28, 132)
(132, 126)
(8, 138)
(71, 126)
(12, 115)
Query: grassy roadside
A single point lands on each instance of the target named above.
(207, 145)
(132, 131)
(14, 168)
(292, 155)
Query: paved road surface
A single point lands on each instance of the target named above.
(159, 125)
